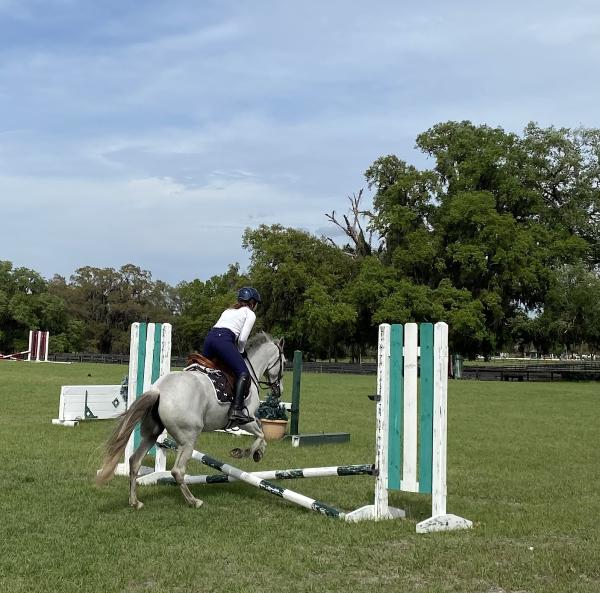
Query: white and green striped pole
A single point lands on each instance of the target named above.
(262, 484)
(149, 359)
(277, 474)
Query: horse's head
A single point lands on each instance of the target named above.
(267, 358)
(274, 370)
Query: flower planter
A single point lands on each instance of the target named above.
(274, 430)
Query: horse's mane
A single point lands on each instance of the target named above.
(257, 340)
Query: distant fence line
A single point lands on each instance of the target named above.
(369, 368)
(526, 370)
(559, 371)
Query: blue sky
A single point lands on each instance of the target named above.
(154, 133)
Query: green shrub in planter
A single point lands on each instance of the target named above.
(271, 409)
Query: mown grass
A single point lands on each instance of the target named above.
(523, 465)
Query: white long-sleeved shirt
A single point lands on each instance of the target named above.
(240, 322)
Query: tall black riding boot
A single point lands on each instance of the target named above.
(238, 414)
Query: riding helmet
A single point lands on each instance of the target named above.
(248, 293)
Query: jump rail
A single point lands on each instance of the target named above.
(277, 474)
(262, 484)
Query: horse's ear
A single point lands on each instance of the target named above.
(281, 342)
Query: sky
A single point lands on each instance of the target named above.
(154, 132)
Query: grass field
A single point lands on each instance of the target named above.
(524, 465)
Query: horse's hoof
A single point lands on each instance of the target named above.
(258, 455)
(198, 504)
(137, 505)
(237, 453)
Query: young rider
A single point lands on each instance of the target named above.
(227, 340)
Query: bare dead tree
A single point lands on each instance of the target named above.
(352, 226)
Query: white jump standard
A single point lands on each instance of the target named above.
(149, 358)
(38, 346)
(37, 351)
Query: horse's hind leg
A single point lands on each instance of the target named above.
(178, 472)
(149, 433)
(135, 461)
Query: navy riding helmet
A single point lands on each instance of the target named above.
(247, 293)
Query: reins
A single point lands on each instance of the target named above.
(267, 384)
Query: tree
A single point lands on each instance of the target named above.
(402, 205)
(284, 264)
(563, 170)
(327, 322)
(356, 226)
(572, 309)
(26, 304)
(497, 217)
(201, 304)
(108, 301)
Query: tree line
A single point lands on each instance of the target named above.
(500, 238)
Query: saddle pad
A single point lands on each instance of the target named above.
(223, 392)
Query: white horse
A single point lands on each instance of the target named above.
(184, 403)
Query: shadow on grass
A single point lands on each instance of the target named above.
(416, 506)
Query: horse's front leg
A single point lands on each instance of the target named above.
(257, 449)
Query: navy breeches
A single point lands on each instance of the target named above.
(220, 343)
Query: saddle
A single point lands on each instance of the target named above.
(219, 373)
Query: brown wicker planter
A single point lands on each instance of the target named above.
(274, 430)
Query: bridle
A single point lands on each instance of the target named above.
(274, 386)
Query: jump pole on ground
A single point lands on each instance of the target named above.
(276, 474)
(289, 495)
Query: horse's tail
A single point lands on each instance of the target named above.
(143, 410)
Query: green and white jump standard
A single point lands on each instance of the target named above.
(412, 423)
(149, 359)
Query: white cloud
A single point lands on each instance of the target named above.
(581, 30)
(156, 136)
(141, 221)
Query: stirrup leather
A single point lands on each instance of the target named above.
(238, 420)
